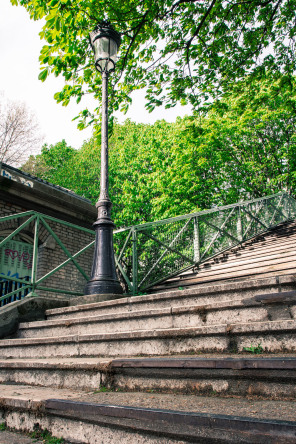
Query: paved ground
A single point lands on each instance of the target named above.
(256, 408)
(16, 438)
(7, 437)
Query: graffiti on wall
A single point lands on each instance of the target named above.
(16, 178)
(16, 259)
(24, 257)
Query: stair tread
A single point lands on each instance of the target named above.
(273, 270)
(15, 395)
(214, 329)
(254, 251)
(210, 359)
(242, 262)
(196, 291)
(246, 302)
(252, 257)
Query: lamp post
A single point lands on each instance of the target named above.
(105, 42)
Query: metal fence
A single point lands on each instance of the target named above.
(13, 288)
(150, 253)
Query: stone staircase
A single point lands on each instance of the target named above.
(207, 363)
(270, 254)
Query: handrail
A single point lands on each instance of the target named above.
(149, 253)
(21, 287)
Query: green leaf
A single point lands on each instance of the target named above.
(43, 75)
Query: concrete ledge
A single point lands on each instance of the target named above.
(259, 308)
(94, 422)
(274, 336)
(26, 310)
(93, 298)
(201, 295)
(269, 378)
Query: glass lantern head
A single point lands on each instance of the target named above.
(105, 42)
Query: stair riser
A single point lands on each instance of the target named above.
(76, 379)
(79, 431)
(200, 297)
(154, 346)
(198, 381)
(205, 382)
(242, 274)
(285, 343)
(198, 319)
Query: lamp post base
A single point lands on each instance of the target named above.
(103, 287)
(103, 279)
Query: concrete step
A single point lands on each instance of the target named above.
(242, 275)
(264, 307)
(272, 253)
(274, 336)
(200, 295)
(224, 375)
(243, 264)
(25, 310)
(94, 418)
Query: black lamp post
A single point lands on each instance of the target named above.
(105, 42)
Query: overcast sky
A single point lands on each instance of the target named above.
(19, 51)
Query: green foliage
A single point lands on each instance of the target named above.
(46, 436)
(252, 131)
(103, 389)
(54, 164)
(256, 350)
(244, 147)
(180, 51)
(2, 426)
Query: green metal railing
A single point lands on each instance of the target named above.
(150, 253)
(40, 221)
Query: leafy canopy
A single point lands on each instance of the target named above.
(244, 147)
(186, 51)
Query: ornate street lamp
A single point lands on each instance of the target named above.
(105, 42)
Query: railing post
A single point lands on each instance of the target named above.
(135, 262)
(196, 244)
(239, 225)
(35, 256)
(287, 205)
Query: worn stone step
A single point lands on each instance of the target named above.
(268, 263)
(258, 308)
(240, 257)
(233, 265)
(265, 255)
(264, 376)
(274, 336)
(195, 280)
(240, 376)
(192, 296)
(95, 418)
(75, 373)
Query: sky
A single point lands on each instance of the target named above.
(19, 52)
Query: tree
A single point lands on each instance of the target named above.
(253, 131)
(19, 133)
(54, 164)
(244, 147)
(179, 50)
